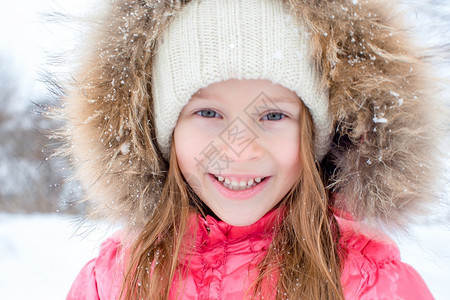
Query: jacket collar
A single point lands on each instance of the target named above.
(211, 231)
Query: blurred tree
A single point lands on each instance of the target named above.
(29, 180)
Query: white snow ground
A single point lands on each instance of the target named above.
(40, 255)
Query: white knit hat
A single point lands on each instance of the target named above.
(215, 40)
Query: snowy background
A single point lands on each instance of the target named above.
(41, 253)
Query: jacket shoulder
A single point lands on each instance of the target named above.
(373, 269)
(101, 277)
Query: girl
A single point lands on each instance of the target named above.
(242, 143)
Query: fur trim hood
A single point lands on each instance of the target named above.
(382, 164)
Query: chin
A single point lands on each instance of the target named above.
(241, 221)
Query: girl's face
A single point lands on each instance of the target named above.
(237, 145)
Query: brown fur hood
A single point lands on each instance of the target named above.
(386, 114)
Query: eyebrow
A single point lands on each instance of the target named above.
(200, 100)
(275, 99)
(206, 96)
(286, 99)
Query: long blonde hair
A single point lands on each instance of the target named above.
(304, 253)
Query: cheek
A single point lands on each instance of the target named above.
(189, 146)
(184, 148)
(289, 154)
(289, 160)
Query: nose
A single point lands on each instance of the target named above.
(240, 141)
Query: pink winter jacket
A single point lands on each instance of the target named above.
(219, 268)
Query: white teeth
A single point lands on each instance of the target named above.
(235, 185)
(237, 188)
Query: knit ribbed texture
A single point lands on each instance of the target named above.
(215, 40)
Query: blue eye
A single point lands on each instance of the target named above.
(274, 116)
(207, 113)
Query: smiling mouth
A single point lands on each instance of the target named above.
(239, 185)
